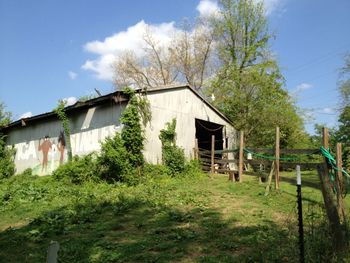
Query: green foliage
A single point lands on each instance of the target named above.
(344, 82)
(164, 219)
(26, 172)
(155, 170)
(173, 156)
(121, 156)
(5, 116)
(174, 159)
(7, 165)
(61, 113)
(78, 170)
(113, 160)
(87, 97)
(248, 87)
(343, 135)
(132, 132)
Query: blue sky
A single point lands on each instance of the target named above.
(61, 49)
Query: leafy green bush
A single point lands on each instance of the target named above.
(172, 156)
(113, 160)
(7, 165)
(174, 159)
(79, 170)
(26, 172)
(132, 132)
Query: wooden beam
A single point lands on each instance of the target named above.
(212, 152)
(340, 166)
(338, 235)
(240, 160)
(339, 184)
(277, 158)
(196, 152)
(325, 139)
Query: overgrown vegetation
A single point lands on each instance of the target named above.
(166, 219)
(121, 158)
(7, 165)
(173, 156)
(61, 113)
(79, 170)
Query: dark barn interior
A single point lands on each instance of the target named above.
(204, 131)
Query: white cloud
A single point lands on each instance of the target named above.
(207, 8)
(328, 110)
(70, 100)
(72, 75)
(302, 87)
(131, 39)
(26, 115)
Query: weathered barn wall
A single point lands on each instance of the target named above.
(184, 105)
(43, 155)
(92, 125)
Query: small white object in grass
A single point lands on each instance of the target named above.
(298, 175)
(249, 156)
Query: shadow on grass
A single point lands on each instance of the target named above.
(134, 230)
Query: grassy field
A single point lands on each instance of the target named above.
(189, 219)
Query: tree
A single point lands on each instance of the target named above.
(248, 87)
(183, 60)
(343, 133)
(5, 117)
(7, 165)
(344, 82)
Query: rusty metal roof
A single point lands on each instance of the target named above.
(117, 96)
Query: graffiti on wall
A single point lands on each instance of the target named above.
(47, 153)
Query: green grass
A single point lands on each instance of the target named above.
(190, 219)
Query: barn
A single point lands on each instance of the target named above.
(39, 140)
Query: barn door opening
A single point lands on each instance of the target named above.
(204, 131)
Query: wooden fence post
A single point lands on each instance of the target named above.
(325, 137)
(277, 157)
(212, 153)
(340, 165)
(339, 184)
(331, 205)
(196, 150)
(240, 161)
(336, 231)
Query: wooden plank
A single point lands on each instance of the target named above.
(223, 161)
(340, 166)
(285, 165)
(284, 151)
(196, 151)
(240, 162)
(203, 150)
(261, 150)
(300, 151)
(257, 162)
(212, 152)
(339, 240)
(226, 151)
(325, 138)
(226, 171)
(203, 154)
(339, 184)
